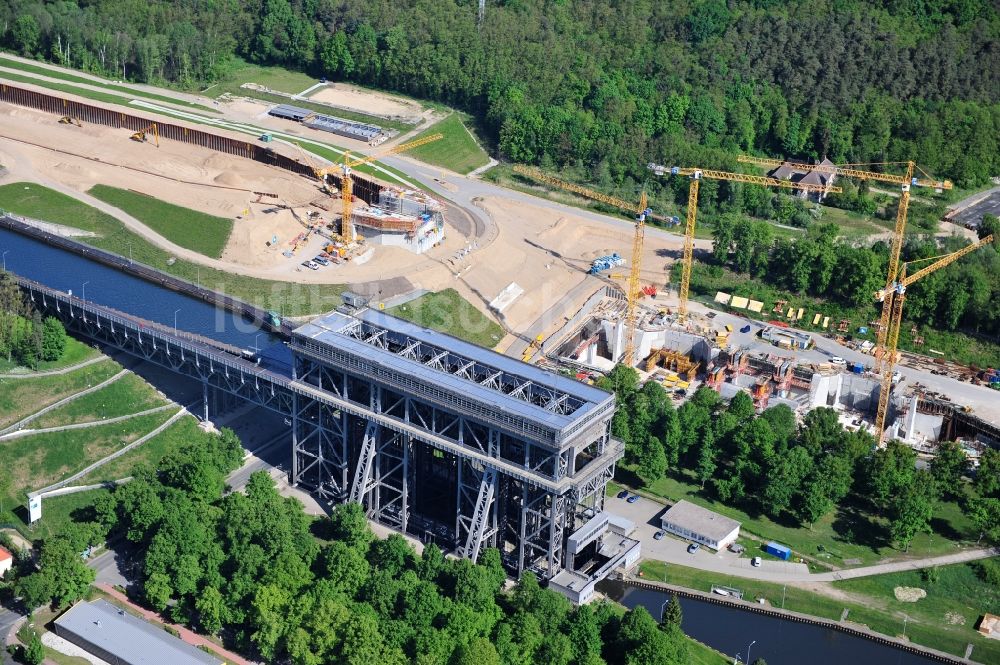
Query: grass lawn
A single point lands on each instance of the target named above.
(43, 459)
(700, 654)
(205, 234)
(129, 394)
(86, 93)
(935, 621)
(183, 431)
(853, 224)
(457, 151)
(288, 298)
(448, 312)
(22, 397)
(76, 352)
(73, 78)
(57, 513)
(845, 534)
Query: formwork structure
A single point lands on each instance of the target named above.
(368, 190)
(414, 233)
(489, 451)
(373, 134)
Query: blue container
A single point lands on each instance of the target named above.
(858, 368)
(779, 551)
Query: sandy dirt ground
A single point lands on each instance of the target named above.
(192, 177)
(244, 109)
(543, 251)
(366, 101)
(547, 253)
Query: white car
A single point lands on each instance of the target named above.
(310, 265)
(837, 360)
(755, 562)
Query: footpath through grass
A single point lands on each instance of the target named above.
(287, 298)
(182, 432)
(129, 394)
(846, 537)
(20, 398)
(944, 620)
(448, 312)
(63, 75)
(457, 151)
(191, 229)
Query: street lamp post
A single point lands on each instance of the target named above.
(748, 650)
(175, 320)
(5, 260)
(85, 291)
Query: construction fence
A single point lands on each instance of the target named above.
(364, 188)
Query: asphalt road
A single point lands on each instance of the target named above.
(974, 213)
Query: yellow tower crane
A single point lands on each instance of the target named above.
(892, 299)
(696, 176)
(347, 183)
(904, 182)
(641, 212)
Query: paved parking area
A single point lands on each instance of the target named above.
(646, 513)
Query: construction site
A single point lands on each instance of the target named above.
(571, 292)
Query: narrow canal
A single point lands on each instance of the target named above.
(778, 641)
(102, 285)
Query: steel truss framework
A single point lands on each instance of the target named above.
(353, 438)
(511, 493)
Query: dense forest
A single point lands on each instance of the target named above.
(795, 473)
(602, 87)
(961, 296)
(279, 586)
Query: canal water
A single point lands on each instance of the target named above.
(59, 269)
(778, 641)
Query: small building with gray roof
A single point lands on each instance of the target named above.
(119, 638)
(700, 525)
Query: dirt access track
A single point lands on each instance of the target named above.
(545, 252)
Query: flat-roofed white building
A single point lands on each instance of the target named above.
(701, 525)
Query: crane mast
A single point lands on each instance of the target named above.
(641, 212)
(892, 300)
(696, 176)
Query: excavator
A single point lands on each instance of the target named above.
(140, 135)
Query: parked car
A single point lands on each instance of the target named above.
(633, 498)
(623, 494)
(310, 265)
(755, 562)
(745, 329)
(736, 548)
(658, 535)
(693, 547)
(837, 360)
(320, 260)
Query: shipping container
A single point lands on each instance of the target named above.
(779, 551)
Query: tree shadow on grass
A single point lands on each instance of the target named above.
(855, 527)
(944, 529)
